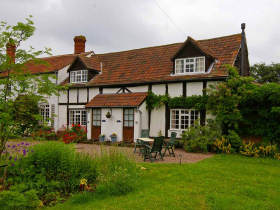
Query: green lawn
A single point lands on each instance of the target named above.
(221, 182)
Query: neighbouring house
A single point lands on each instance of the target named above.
(107, 91)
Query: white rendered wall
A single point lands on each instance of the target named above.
(137, 124)
(157, 121)
(175, 89)
(82, 95)
(110, 90)
(109, 126)
(62, 116)
(142, 88)
(73, 95)
(62, 74)
(89, 123)
(194, 88)
(158, 89)
(62, 98)
(144, 116)
(93, 92)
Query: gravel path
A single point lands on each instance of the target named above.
(185, 157)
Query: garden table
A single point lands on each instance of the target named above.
(146, 140)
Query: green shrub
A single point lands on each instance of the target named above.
(234, 140)
(201, 138)
(53, 167)
(17, 200)
(118, 174)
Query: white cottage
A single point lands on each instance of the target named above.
(107, 92)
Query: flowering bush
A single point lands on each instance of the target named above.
(76, 134)
(16, 152)
(44, 133)
(222, 145)
(252, 150)
(53, 170)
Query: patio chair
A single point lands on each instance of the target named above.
(170, 145)
(155, 149)
(139, 144)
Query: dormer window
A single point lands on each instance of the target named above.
(79, 76)
(190, 65)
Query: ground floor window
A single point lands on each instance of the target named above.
(45, 113)
(181, 119)
(77, 117)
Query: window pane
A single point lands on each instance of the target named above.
(200, 65)
(179, 66)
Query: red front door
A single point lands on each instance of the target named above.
(128, 125)
(96, 124)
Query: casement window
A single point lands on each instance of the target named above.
(181, 119)
(45, 113)
(79, 76)
(77, 117)
(190, 65)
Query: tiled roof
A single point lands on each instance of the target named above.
(118, 100)
(92, 62)
(51, 64)
(154, 64)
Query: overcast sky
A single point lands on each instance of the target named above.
(128, 24)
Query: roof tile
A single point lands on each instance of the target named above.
(118, 100)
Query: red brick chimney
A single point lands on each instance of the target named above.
(11, 51)
(79, 46)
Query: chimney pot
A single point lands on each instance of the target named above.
(79, 44)
(11, 51)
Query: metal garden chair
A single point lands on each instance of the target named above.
(139, 144)
(170, 145)
(156, 149)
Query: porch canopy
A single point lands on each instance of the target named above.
(118, 100)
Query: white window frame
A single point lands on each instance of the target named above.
(80, 76)
(191, 119)
(194, 62)
(77, 117)
(45, 113)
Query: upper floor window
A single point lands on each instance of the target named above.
(79, 76)
(190, 65)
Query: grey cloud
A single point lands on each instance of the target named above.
(126, 24)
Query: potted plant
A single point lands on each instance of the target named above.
(101, 137)
(108, 115)
(113, 137)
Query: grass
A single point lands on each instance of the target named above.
(221, 182)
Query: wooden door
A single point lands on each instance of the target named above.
(96, 124)
(128, 125)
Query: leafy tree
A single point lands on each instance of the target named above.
(266, 73)
(15, 79)
(247, 108)
(26, 110)
(224, 99)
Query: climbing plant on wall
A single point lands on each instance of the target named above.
(197, 102)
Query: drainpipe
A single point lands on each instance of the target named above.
(243, 50)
